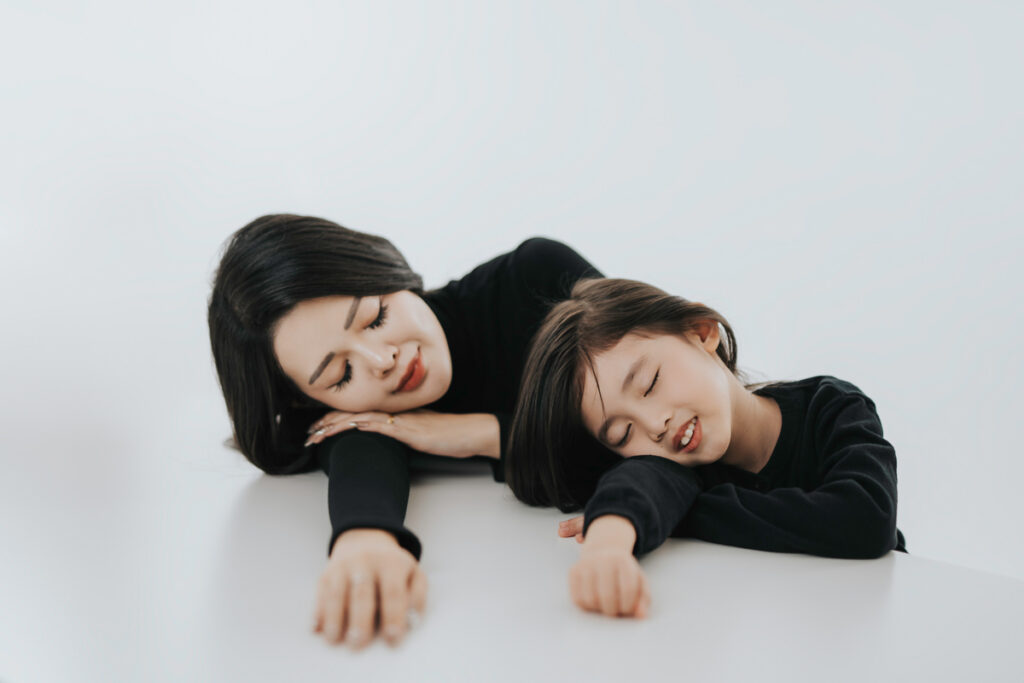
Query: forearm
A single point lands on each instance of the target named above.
(653, 493)
(838, 520)
(486, 435)
(368, 486)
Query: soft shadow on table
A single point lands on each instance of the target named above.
(272, 551)
(277, 535)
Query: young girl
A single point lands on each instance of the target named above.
(622, 366)
(307, 317)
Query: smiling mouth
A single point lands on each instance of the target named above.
(414, 374)
(688, 436)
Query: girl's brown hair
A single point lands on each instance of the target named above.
(551, 459)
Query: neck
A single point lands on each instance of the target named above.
(756, 423)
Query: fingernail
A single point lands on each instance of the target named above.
(354, 635)
(393, 633)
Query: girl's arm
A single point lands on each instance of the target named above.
(850, 513)
(636, 504)
(608, 578)
(652, 492)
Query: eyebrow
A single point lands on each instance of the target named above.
(602, 434)
(330, 356)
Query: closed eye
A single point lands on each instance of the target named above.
(381, 317)
(344, 378)
(653, 382)
(625, 437)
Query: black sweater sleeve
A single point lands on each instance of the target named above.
(368, 485)
(652, 492)
(850, 513)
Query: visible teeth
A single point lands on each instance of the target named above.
(688, 434)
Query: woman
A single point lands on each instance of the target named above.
(308, 317)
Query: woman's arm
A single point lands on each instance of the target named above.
(372, 567)
(454, 435)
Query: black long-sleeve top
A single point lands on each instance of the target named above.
(488, 317)
(829, 487)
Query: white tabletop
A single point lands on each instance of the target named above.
(207, 573)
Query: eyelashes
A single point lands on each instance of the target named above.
(344, 378)
(625, 437)
(377, 322)
(381, 317)
(655, 381)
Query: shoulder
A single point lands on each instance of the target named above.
(538, 266)
(817, 390)
(823, 400)
(549, 268)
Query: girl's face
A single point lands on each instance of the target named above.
(357, 354)
(661, 395)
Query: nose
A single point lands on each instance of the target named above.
(380, 360)
(656, 425)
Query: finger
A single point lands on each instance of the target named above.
(588, 590)
(608, 591)
(362, 607)
(570, 527)
(579, 538)
(318, 617)
(370, 417)
(394, 600)
(333, 599)
(327, 419)
(418, 590)
(644, 600)
(629, 590)
(329, 430)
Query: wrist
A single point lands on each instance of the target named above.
(490, 436)
(611, 531)
(360, 534)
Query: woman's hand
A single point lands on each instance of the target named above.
(450, 434)
(607, 578)
(365, 564)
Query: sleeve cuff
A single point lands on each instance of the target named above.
(405, 538)
(504, 426)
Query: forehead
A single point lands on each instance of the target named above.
(602, 384)
(306, 332)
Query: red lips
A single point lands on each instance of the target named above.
(694, 440)
(414, 374)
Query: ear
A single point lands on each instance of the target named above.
(710, 336)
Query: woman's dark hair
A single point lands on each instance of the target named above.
(551, 459)
(267, 267)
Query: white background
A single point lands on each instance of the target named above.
(841, 181)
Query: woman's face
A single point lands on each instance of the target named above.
(357, 354)
(661, 395)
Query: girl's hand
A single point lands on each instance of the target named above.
(448, 434)
(607, 578)
(572, 527)
(369, 579)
